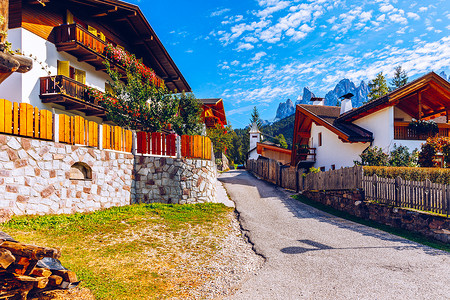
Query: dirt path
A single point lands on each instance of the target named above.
(313, 255)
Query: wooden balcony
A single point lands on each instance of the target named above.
(211, 122)
(69, 93)
(87, 47)
(402, 132)
(306, 160)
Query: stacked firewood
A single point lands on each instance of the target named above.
(21, 271)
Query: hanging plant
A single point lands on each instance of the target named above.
(421, 127)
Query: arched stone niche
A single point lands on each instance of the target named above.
(80, 171)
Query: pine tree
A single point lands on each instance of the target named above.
(400, 78)
(255, 118)
(281, 141)
(378, 87)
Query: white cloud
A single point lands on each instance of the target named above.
(422, 9)
(244, 46)
(398, 18)
(234, 63)
(398, 42)
(219, 12)
(258, 56)
(386, 8)
(381, 18)
(413, 16)
(274, 7)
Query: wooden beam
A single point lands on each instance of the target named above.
(143, 40)
(89, 57)
(105, 13)
(419, 100)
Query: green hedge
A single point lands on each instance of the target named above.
(437, 175)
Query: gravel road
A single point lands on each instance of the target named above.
(313, 255)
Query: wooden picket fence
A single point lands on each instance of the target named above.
(196, 146)
(421, 195)
(25, 120)
(117, 138)
(156, 143)
(340, 179)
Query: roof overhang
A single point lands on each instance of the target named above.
(216, 105)
(261, 146)
(424, 98)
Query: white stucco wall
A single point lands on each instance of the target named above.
(26, 87)
(381, 124)
(333, 150)
(11, 88)
(253, 154)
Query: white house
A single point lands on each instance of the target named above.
(68, 39)
(340, 135)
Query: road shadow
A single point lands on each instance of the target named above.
(304, 211)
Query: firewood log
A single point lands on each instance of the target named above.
(39, 282)
(6, 258)
(41, 272)
(54, 280)
(67, 275)
(30, 251)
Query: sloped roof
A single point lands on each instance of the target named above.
(328, 116)
(431, 90)
(216, 104)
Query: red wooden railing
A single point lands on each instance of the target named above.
(156, 143)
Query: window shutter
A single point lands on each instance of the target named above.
(69, 17)
(63, 68)
(92, 30)
(80, 76)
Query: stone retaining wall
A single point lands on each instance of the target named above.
(169, 180)
(352, 202)
(35, 178)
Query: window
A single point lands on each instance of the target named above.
(322, 169)
(80, 171)
(333, 167)
(65, 69)
(320, 139)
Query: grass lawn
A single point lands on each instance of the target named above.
(412, 236)
(145, 251)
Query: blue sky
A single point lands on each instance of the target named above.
(261, 52)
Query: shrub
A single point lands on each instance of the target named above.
(373, 156)
(426, 156)
(400, 157)
(437, 175)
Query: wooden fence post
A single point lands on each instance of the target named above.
(55, 127)
(447, 199)
(398, 182)
(178, 146)
(375, 187)
(100, 136)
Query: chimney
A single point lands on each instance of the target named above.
(346, 103)
(317, 101)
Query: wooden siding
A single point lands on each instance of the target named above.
(15, 13)
(41, 21)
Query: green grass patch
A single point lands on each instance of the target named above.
(131, 252)
(412, 236)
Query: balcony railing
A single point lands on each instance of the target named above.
(78, 41)
(402, 132)
(69, 93)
